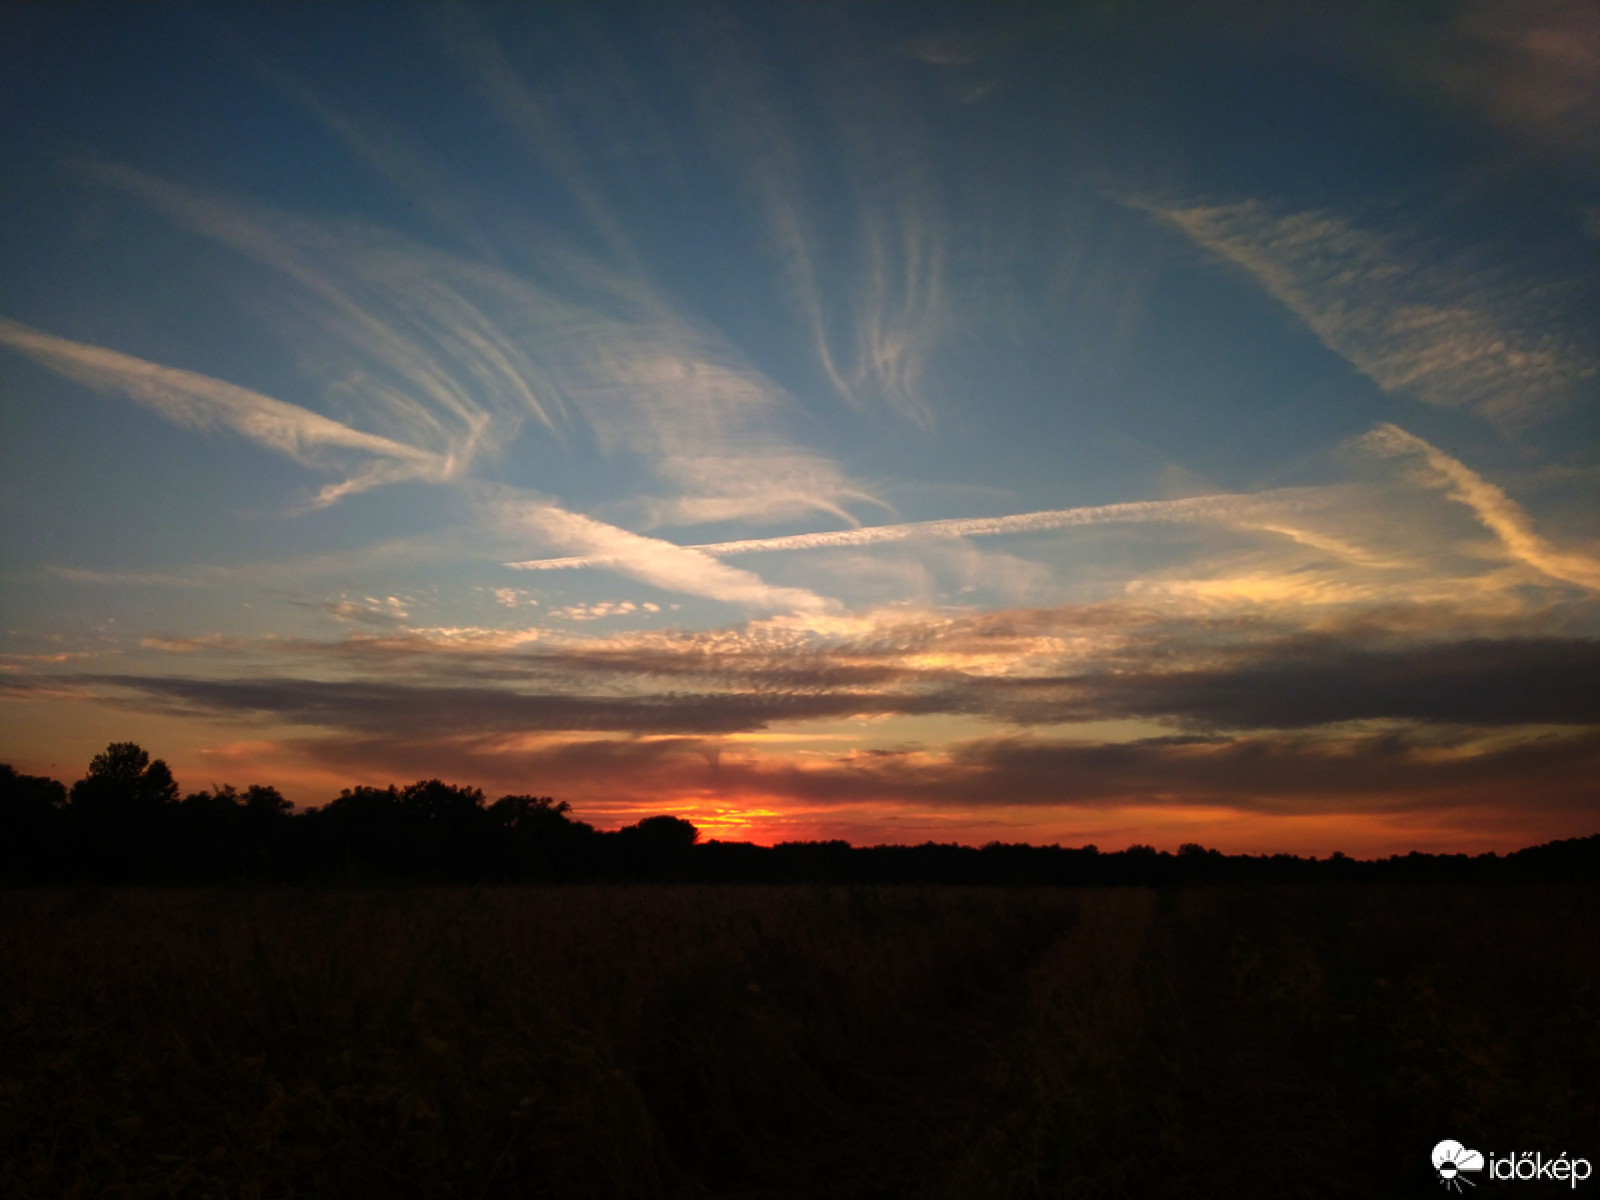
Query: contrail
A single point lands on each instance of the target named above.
(1226, 506)
(1495, 510)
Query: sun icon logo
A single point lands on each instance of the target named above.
(1451, 1158)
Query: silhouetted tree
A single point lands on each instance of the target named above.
(444, 806)
(517, 814)
(205, 834)
(453, 830)
(656, 847)
(538, 840)
(356, 833)
(33, 829)
(123, 781)
(123, 822)
(225, 834)
(266, 803)
(268, 830)
(429, 828)
(120, 811)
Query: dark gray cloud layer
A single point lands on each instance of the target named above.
(1294, 684)
(1528, 681)
(435, 711)
(1269, 774)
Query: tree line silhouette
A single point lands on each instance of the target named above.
(125, 822)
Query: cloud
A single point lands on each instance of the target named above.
(1276, 777)
(1022, 669)
(199, 402)
(1443, 708)
(384, 612)
(388, 327)
(122, 578)
(594, 612)
(455, 355)
(707, 422)
(1246, 510)
(879, 311)
(1282, 774)
(514, 597)
(1305, 682)
(1438, 329)
(1529, 66)
(455, 545)
(189, 645)
(1272, 588)
(653, 561)
(1501, 515)
(376, 707)
(457, 638)
(539, 125)
(389, 152)
(944, 49)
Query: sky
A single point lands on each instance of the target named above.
(1098, 423)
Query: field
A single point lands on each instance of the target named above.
(685, 1041)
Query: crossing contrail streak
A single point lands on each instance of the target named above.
(1223, 507)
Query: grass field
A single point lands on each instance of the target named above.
(788, 1042)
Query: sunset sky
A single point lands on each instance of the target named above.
(1097, 422)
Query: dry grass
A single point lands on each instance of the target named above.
(777, 1042)
(1291, 1042)
(627, 1041)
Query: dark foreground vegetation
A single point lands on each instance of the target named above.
(301, 1026)
(805, 1041)
(124, 822)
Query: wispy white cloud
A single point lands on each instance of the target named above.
(455, 355)
(537, 123)
(396, 338)
(708, 422)
(653, 561)
(198, 401)
(1498, 513)
(902, 310)
(1452, 336)
(514, 598)
(1264, 589)
(602, 608)
(876, 316)
(1302, 550)
(370, 610)
(393, 155)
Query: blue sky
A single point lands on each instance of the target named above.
(1085, 423)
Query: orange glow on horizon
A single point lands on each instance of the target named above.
(726, 808)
